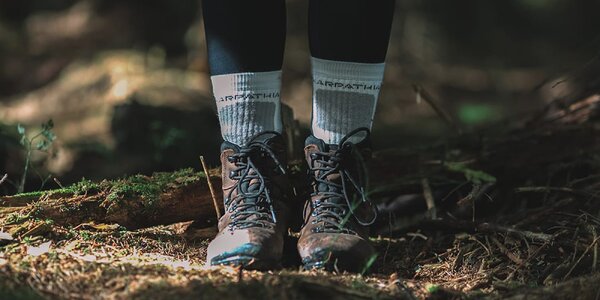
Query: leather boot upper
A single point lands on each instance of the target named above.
(335, 232)
(256, 191)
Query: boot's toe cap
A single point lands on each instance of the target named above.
(243, 248)
(341, 252)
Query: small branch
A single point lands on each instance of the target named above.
(3, 179)
(581, 257)
(58, 183)
(210, 187)
(25, 170)
(475, 227)
(517, 260)
(538, 236)
(544, 189)
(428, 198)
(422, 94)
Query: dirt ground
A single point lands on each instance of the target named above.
(528, 235)
(99, 261)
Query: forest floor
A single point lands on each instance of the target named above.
(97, 261)
(515, 216)
(508, 213)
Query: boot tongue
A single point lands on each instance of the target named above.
(264, 137)
(229, 145)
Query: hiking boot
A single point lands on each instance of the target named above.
(335, 233)
(255, 191)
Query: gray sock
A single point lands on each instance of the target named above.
(344, 97)
(247, 104)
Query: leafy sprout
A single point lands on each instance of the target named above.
(40, 141)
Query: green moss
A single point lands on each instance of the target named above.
(136, 186)
(30, 194)
(150, 188)
(39, 194)
(84, 187)
(474, 176)
(15, 218)
(432, 288)
(73, 208)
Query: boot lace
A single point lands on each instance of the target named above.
(252, 205)
(338, 201)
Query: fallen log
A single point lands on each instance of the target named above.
(135, 202)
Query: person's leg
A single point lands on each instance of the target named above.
(348, 43)
(245, 40)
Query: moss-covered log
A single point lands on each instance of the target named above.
(133, 202)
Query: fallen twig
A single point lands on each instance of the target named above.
(428, 195)
(581, 257)
(517, 260)
(59, 183)
(210, 187)
(424, 95)
(544, 189)
(473, 227)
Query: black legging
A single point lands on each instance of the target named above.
(249, 35)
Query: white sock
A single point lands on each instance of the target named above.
(247, 104)
(344, 97)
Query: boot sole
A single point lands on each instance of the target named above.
(332, 264)
(326, 265)
(247, 262)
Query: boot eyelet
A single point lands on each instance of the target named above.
(231, 174)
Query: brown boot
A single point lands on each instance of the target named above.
(335, 232)
(255, 190)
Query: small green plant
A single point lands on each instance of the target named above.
(40, 141)
(432, 288)
(14, 218)
(474, 176)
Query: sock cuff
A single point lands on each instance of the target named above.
(227, 84)
(344, 70)
(247, 104)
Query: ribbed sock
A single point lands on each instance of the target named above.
(247, 104)
(344, 97)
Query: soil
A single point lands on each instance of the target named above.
(493, 229)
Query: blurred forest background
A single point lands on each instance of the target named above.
(126, 83)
